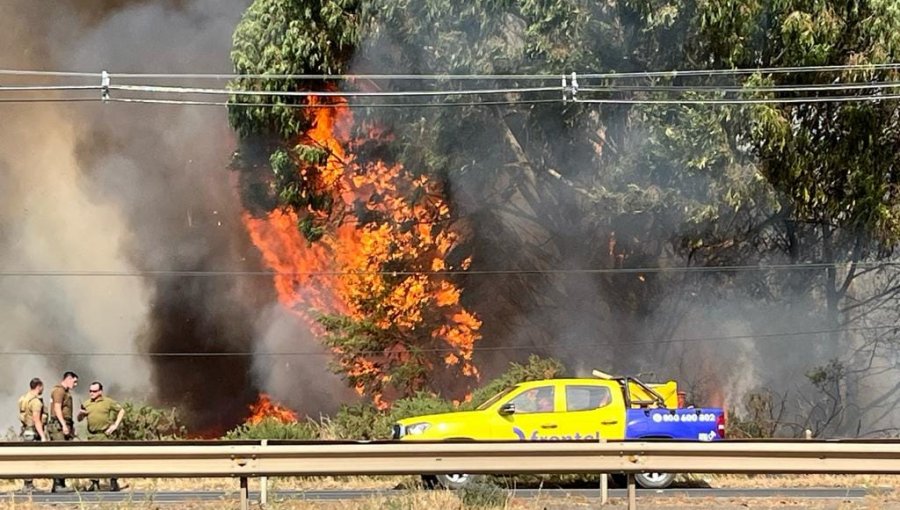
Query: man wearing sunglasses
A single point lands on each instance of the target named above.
(101, 425)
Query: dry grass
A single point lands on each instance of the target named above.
(421, 500)
(231, 484)
(794, 481)
(334, 483)
(427, 500)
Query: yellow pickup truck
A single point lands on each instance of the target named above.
(606, 407)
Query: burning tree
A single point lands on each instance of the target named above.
(358, 245)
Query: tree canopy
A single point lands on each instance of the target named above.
(547, 186)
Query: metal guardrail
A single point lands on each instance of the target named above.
(242, 460)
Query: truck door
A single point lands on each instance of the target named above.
(534, 417)
(593, 412)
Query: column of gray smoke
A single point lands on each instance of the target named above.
(576, 317)
(130, 188)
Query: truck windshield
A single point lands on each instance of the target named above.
(491, 401)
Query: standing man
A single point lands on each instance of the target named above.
(62, 428)
(32, 416)
(100, 425)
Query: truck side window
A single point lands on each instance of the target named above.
(535, 400)
(586, 398)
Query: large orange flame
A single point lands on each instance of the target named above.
(265, 408)
(391, 258)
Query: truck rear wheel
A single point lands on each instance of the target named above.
(654, 480)
(454, 481)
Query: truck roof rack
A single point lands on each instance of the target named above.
(624, 380)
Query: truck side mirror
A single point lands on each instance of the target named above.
(507, 409)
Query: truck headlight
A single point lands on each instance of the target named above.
(417, 428)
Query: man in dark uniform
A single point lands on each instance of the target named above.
(99, 412)
(62, 427)
(32, 417)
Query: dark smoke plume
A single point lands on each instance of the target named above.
(131, 188)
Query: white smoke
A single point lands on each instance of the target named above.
(51, 225)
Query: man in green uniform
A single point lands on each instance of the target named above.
(100, 425)
(61, 426)
(32, 417)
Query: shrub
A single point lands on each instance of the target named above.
(358, 421)
(418, 405)
(143, 422)
(484, 495)
(762, 417)
(271, 428)
(535, 369)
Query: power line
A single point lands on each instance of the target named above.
(479, 92)
(610, 88)
(184, 102)
(736, 101)
(275, 76)
(438, 77)
(315, 93)
(46, 88)
(60, 74)
(233, 354)
(52, 100)
(745, 71)
(476, 272)
(744, 89)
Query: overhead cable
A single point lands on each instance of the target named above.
(444, 76)
(328, 93)
(584, 343)
(52, 100)
(743, 89)
(739, 101)
(45, 88)
(330, 105)
(622, 270)
(582, 100)
(839, 86)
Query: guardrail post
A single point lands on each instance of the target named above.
(604, 488)
(245, 494)
(264, 483)
(604, 484)
(632, 493)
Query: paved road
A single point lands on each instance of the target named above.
(186, 496)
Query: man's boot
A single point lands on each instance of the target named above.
(114, 485)
(95, 486)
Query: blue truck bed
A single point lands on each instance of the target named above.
(697, 424)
